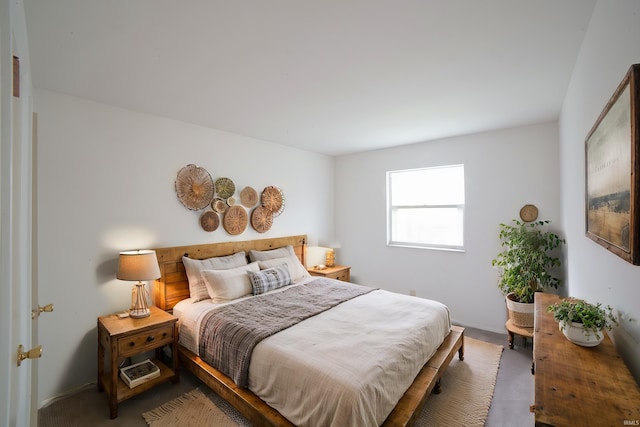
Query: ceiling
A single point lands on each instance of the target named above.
(328, 76)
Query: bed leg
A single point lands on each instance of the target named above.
(461, 350)
(437, 389)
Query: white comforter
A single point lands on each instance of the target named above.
(348, 366)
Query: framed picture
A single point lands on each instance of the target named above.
(613, 172)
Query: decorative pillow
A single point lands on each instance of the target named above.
(296, 269)
(227, 285)
(269, 279)
(197, 287)
(282, 252)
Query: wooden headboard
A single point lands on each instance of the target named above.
(173, 285)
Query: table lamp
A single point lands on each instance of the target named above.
(331, 255)
(138, 265)
(330, 260)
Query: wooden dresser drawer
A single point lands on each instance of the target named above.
(136, 343)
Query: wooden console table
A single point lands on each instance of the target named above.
(579, 386)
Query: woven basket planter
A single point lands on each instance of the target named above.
(521, 314)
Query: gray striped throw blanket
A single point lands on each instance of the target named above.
(229, 334)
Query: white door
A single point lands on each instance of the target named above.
(16, 400)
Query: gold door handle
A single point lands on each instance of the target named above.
(34, 353)
(47, 308)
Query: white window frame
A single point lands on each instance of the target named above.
(392, 211)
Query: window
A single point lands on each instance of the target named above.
(426, 207)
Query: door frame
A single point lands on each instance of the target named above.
(18, 403)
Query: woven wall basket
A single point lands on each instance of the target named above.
(248, 197)
(209, 221)
(261, 219)
(225, 187)
(235, 220)
(273, 199)
(194, 187)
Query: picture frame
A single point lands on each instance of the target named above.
(613, 172)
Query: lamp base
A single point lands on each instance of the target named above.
(139, 313)
(139, 301)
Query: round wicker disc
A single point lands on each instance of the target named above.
(219, 205)
(209, 221)
(261, 219)
(529, 213)
(273, 200)
(225, 188)
(235, 220)
(194, 187)
(248, 197)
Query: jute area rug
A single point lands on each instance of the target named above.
(467, 390)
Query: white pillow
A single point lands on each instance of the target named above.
(284, 251)
(197, 288)
(227, 285)
(296, 269)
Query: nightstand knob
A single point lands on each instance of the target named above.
(150, 338)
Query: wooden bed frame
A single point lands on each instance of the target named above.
(173, 287)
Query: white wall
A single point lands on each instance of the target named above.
(504, 170)
(106, 183)
(610, 47)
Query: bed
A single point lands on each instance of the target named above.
(172, 293)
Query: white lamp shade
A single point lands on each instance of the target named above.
(138, 265)
(316, 255)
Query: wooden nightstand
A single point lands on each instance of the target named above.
(339, 272)
(122, 338)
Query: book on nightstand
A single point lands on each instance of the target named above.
(139, 373)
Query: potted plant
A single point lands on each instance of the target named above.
(581, 322)
(525, 266)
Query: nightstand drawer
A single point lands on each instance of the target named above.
(338, 272)
(151, 339)
(342, 275)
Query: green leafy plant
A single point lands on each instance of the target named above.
(593, 317)
(527, 258)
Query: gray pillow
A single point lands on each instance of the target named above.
(282, 252)
(269, 279)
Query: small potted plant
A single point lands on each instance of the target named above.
(582, 322)
(525, 265)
